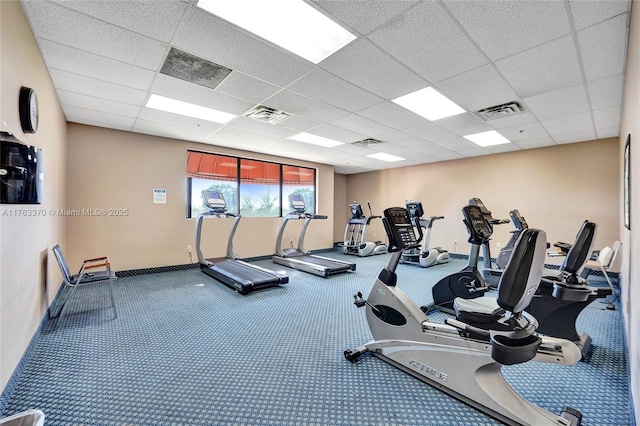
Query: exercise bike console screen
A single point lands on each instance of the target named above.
(477, 222)
(356, 211)
(400, 229)
(415, 208)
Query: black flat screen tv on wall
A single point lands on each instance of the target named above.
(21, 172)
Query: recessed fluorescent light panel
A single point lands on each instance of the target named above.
(190, 110)
(385, 157)
(429, 103)
(290, 24)
(487, 138)
(315, 140)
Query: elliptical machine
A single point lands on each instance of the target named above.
(424, 256)
(355, 233)
(444, 355)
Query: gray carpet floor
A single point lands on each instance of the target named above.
(187, 350)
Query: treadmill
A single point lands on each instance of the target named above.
(299, 258)
(230, 270)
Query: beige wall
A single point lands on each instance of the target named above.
(554, 188)
(110, 169)
(29, 275)
(631, 239)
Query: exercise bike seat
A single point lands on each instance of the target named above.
(481, 310)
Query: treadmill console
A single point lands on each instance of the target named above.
(214, 200)
(356, 211)
(415, 209)
(477, 225)
(400, 229)
(296, 203)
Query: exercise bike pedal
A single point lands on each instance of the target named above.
(572, 416)
(352, 355)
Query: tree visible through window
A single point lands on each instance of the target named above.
(252, 187)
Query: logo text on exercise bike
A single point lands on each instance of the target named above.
(428, 370)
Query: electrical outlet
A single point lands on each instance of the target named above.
(498, 244)
(189, 248)
(374, 235)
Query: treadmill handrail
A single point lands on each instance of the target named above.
(295, 216)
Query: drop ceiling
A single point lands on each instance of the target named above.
(562, 61)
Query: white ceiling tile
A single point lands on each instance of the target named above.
(426, 32)
(432, 132)
(529, 72)
(608, 117)
(79, 100)
(505, 147)
(446, 156)
(571, 124)
(326, 87)
(559, 103)
(100, 89)
(477, 89)
(256, 126)
(502, 28)
(157, 19)
(603, 48)
(392, 115)
(350, 150)
(336, 133)
(168, 130)
(365, 65)
(298, 122)
(364, 16)
(586, 135)
(182, 90)
(65, 58)
(361, 125)
(512, 120)
(405, 139)
(176, 120)
(587, 13)
(608, 132)
(209, 37)
(536, 143)
(241, 139)
(606, 92)
(464, 124)
(529, 131)
(474, 152)
(294, 103)
(246, 87)
(92, 116)
(89, 122)
(64, 26)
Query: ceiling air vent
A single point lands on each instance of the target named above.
(500, 111)
(267, 115)
(367, 142)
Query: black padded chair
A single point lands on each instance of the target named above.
(92, 271)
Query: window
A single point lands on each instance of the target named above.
(215, 172)
(259, 188)
(252, 187)
(299, 181)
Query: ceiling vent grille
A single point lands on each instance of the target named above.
(500, 111)
(367, 142)
(267, 115)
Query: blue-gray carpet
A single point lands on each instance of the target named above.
(187, 350)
